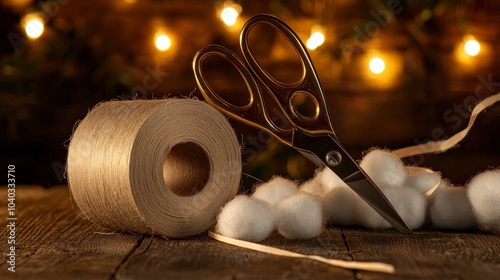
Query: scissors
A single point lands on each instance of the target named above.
(311, 135)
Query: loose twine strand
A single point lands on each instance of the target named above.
(370, 266)
(444, 145)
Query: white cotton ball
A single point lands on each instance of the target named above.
(275, 190)
(445, 183)
(246, 218)
(339, 206)
(329, 180)
(368, 217)
(484, 196)
(450, 209)
(422, 181)
(384, 168)
(299, 216)
(409, 203)
(313, 187)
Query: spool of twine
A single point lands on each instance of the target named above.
(154, 166)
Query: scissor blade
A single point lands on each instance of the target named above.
(372, 195)
(318, 148)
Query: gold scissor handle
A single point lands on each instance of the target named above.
(254, 113)
(284, 94)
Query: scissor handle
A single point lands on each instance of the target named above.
(254, 113)
(285, 93)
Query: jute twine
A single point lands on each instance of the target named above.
(154, 166)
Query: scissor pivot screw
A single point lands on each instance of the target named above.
(333, 158)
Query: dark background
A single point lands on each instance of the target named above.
(93, 51)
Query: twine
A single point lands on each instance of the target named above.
(154, 166)
(444, 145)
(368, 266)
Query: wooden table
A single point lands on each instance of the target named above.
(53, 242)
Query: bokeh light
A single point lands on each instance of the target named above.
(33, 25)
(377, 65)
(162, 42)
(316, 39)
(229, 16)
(472, 47)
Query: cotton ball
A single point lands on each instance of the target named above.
(339, 206)
(484, 196)
(368, 217)
(409, 203)
(329, 180)
(451, 210)
(322, 183)
(299, 216)
(246, 218)
(313, 187)
(445, 183)
(384, 168)
(275, 190)
(422, 181)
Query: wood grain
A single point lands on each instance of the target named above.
(428, 254)
(205, 258)
(53, 242)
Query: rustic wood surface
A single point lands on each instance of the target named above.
(53, 242)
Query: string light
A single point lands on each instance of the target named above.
(377, 65)
(472, 47)
(162, 42)
(382, 67)
(229, 15)
(33, 25)
(317, 39)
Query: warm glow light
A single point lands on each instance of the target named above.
(162, 42)
(33, 26)
(316, 39)
(377, 65)
(229, 16)
(472, 47)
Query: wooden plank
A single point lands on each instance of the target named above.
(53, 242)
(427, 254)
(206, 258)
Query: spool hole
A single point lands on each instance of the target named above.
(186, 169)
